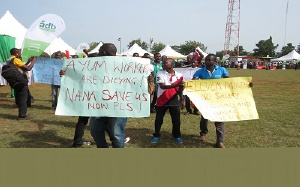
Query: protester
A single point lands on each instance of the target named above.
(79, 132)
(297, 65)
(115, 126)
(30, 95)
(135, 55)
(86, 53)
(163, 58)
(169, 90)
(212, 71)
(151, 85)
(199, 59)
(22, 94)
(54, 88)
(190, 63)
(146, 55)
(80, 126)
(157, 66)
(81, 123)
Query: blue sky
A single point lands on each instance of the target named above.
(170, 21)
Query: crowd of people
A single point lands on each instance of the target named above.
(166, 95)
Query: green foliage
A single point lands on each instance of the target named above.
(188, 47)
(93, 45)
(286, 49)
(141, 43)
(157, 47)
(298, 48)
(176, 47)
(265, 47)
(220, 54)
(242, 51)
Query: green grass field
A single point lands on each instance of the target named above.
(276, 93)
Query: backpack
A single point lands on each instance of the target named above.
(13, 76)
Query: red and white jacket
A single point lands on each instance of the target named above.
(165, 95)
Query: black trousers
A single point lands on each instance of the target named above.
(175, 116)
(79, 131)
(22, 99)
(188, 105)
(220, 129)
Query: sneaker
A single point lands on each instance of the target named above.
(127, 139)
(24, 118)
(219, 145)
(178, 140)
(87, 143)
(202, 138)
(154, 139)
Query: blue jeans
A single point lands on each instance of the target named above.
(54, 89)
(115, 127)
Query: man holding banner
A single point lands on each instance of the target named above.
(211, 71)
(22, 94)
(170, 87)
(115, 126)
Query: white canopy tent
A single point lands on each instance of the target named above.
(11, 27)
(135, 49)
(96, 49)
(171, 53)
(293, 55)
(59, 45)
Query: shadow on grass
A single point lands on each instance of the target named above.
(43, 100)
(40, 107)
(9, 116)
(9, 105)
(40, 139)
(3, 95)
(141, 137)
(41, 123)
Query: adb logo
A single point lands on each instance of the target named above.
(47, 26)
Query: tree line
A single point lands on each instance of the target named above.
(263, 48)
